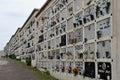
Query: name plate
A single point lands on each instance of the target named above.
(104, 70)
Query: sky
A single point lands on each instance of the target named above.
(13, 14)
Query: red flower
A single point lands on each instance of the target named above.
(75, 69)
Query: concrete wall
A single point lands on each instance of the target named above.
(116, 39)
(2, 53)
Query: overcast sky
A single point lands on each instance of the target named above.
(13, 14)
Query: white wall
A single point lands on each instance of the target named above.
(2, 53)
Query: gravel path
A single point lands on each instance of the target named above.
(11, 70)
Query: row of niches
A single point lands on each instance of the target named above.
(90, 13)
(102, 29)
(85, 69)
(30, 29)
(86, 51)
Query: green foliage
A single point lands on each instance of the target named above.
(80, 52)
(12, 56)
(28, 61)
(68, 53)
(6, 56)
(47, 72)
(18, 59)
(97, 8)
(85, 52)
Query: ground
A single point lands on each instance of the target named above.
(11, 70)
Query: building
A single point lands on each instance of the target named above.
(75, 33)
(27, 37)
(17, 43)
(9, 48)
(6, 49)
(2, 53)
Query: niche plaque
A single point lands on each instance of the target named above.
(104, 70)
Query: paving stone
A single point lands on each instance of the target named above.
(11, 70)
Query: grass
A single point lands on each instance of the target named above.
(40, 74)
